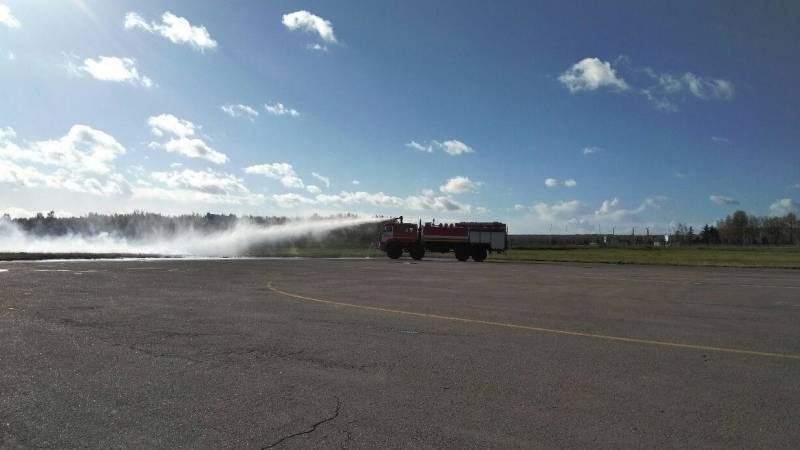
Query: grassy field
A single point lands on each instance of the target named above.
(776, 257)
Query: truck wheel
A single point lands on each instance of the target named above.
(462, 252)
(417, 252)
(478, 254)
(394, 252)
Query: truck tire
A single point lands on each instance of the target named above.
(394, 251)
(417, 252)
(478, 254)
(462, 252)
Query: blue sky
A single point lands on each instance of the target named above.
(549, 116)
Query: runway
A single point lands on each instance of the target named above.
(262, 353)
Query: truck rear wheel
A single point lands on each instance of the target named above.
(417, 252)
(462, 252)
(478, 254)
(394, 252)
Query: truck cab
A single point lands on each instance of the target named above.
(397, 237)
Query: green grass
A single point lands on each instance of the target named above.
(40, 256)
(775, 257)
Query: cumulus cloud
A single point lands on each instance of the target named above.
(181, 141)
(110, 68)
(82, 149)
(783, 207)
(310, 23)
(452, 147)
(426, 201)
(177, 29)
(723, 200)
(283, 172)
(459, 185)
(82, 161)
(590, 74)
(577, 215)
(355, 182)
(206, 181)
(239, 110)
(325, 180)
(663, 89)
(8, 19)
(554, 182)
(590, 150)
(313, 189)
(279, 109)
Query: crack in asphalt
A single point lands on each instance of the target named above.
(312, 429)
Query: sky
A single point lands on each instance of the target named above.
(554, 117)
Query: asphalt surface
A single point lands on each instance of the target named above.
(435, 354)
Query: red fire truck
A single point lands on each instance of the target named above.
(465, 239)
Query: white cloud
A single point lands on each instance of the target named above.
(723, 200)
(679, 175)
(283, 172)
(313, 189)
(325, 180)
(177, 29)
(181, 141)
(783, 207)
(167, 123)
(590, 74)
(317, 47)
(83, 161)
(8, 19)
(191, 148)
(577, 216)
(279, 109)
(706, 88)
(83, 149)
(239, 110)
(554, 182)
(206, 181)
(669, 86)
(111, 68)
(419, 147)
(459, 185)
(454, 147)
(720, 139)
(591, 150)
(426, 201)
(310, 23)
(355, 182)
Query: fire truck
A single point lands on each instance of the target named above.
(465, 239)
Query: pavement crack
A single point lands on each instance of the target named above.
(311, 429)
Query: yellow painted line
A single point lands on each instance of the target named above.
(707, 348)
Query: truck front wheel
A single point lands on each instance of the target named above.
(478, 254)
(394, 251)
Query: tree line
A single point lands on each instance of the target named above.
(741, 228)
(140, 225)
